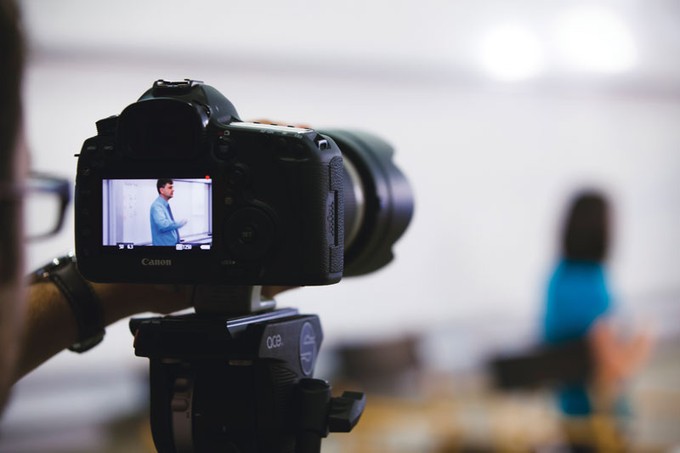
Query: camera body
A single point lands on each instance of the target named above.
(249, 203)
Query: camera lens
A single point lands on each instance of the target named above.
(378, 200)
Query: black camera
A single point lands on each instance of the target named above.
(177, 189)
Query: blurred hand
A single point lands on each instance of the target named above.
(617, 359)
(281, 123)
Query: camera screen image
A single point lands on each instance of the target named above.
(172, 213)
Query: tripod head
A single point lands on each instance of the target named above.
(239, 382)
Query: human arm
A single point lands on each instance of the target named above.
(616, 358)
(50, 326)
(162, 222)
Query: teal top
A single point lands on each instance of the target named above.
(577, 296)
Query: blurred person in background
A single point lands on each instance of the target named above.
(578, 308)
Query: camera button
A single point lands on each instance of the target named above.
(238, 175)
(249, 233)
(224, 150)
(179, 405)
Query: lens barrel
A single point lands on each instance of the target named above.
(378, 200)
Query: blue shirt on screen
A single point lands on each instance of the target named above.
(577, 297)
(164, 229)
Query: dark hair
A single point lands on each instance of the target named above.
(12, 63)
(161, 183)
(11, 74)
(586, 231)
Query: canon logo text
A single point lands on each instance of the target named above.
(153, 262)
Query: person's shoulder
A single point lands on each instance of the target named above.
(581, 265)
(578, 271)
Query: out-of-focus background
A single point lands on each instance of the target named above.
(498, 111)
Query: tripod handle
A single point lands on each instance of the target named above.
(320, 414)
(346, 411)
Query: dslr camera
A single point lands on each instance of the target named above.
(177, 189)
(252, 204)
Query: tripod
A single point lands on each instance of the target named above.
(239, 379)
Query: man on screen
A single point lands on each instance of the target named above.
(164, 229)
